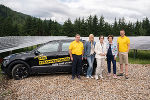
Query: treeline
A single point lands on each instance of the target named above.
(13, 23)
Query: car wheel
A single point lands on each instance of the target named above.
(84, 69)
(20, 71)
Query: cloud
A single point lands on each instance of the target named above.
(61, 10)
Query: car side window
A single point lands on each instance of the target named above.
(50, 47)
(65, 46)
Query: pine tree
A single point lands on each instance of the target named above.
(68, 28)
(95, 25)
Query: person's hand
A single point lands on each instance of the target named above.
(104, 54)
(114, 58)
(82, 58)
(72, 58)
(127, 51)
(101, 54)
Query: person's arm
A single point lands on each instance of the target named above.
(85, 50)
(96, 51)
(105, 50)
(70, 53)
(118, 46)
(82, 54)
(116, 52)
(128, 47)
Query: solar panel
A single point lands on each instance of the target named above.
(17, 42)
(10, 43)
(137, 42)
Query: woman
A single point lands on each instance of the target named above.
(90, 54)
(100, 49)
(112, 52)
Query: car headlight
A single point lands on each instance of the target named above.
(7, 59)
(5, 62)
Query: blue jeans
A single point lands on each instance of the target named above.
(110, 58)
(90, 60)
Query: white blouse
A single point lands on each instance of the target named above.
(100, 48)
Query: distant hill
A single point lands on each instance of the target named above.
(13, 23)
(17, 17)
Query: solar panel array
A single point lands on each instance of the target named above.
(136, 42)
(17, 42)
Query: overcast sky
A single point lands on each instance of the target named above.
(61, 10)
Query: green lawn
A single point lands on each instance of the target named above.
(142, 57)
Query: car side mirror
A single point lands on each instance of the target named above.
(36, 52)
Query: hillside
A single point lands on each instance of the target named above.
(17, 17)
(13, 23)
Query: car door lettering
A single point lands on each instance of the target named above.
(43, 60)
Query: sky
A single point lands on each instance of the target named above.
(61, 10)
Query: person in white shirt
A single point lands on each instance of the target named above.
(100, 50)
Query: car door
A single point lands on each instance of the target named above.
(47, 61)
(66, 64)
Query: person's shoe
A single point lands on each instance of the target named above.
(73, 77)
(120, 74)
(101, 76)
(109, 75)
(96, 77)
(91, 77)
(78, 77)
(115, 76)
(126, 77)
(87, 77)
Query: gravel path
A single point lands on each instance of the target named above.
(61, 87)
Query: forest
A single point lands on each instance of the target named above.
(14, 23)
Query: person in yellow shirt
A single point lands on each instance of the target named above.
(76, 50)
(123, 48)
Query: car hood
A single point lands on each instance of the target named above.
(18, 55)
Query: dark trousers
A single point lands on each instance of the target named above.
(76, 65)
(110, 58)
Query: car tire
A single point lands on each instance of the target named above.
(84, 69)
(20, 71)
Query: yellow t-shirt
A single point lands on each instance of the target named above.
(76, 47)
(123, 43)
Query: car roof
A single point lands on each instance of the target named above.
(64, 40)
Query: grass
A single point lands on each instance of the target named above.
(138, 61)
(142, 57)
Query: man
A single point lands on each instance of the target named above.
(123, 48)
(76, 54)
